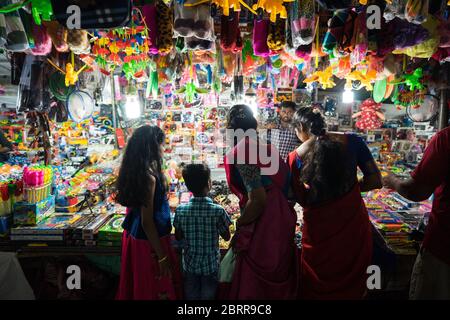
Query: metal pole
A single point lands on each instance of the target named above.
(113, 106)
(443, 110)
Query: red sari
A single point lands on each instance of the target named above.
(337, 244)
(266, 266)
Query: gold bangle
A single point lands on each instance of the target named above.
(162, 259)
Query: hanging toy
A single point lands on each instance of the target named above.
(302, 22)
(340, 31)
(416, 11)
(165, 28)
(78, 41)
(150, 19)
(276, 40)
(71, 76)
(273, 8)
(413, 80)
(42, 41)
(42, 10)
(324, 78)
(370, 117)
(260, 34)
(366, 79)
(58, 34)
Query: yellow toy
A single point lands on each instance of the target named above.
(273, 7)
(70, 73)
(365, 79)
(325, 78)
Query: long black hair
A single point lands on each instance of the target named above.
(324, 165)
(142, 158)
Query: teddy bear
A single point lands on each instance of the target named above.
(370, 117)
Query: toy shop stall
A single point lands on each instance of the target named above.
(72, 91)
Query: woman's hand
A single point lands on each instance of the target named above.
(389, 181)
(165, 267)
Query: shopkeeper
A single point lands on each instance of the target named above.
(284, 137)
(5, 147)
(431, 273)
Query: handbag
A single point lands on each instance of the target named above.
(227, 267)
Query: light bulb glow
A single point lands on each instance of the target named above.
(132, 107)
(347, 96)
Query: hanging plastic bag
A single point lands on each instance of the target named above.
(360, 42)
(193, 21)
(3, 33)
(302, 24)
(17, 40)
(227, 267)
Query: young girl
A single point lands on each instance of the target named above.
(148, 269)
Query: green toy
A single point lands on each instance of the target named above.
(41, 10)
(413, 80)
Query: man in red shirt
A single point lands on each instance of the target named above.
(431, 274)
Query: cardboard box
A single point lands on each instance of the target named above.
(28, 214)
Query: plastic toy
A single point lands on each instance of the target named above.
(324, 78)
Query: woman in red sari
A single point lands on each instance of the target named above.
(266, 264)
(337, 237)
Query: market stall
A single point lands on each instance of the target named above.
(73, 95)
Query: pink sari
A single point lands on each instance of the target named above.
(267, 264)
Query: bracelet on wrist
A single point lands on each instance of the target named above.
(162, 259)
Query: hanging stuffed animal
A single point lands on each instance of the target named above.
(370, 117)
(340, 31)
(424, 49)
(276, 40)
(360, 42)
(416, 11)
(165, 28)
(58, 34)
(78, 41)
(42, 41)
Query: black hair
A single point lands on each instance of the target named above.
(324, 165)
(196, 177)
(142, 159)
(289, 105)
(241, 116)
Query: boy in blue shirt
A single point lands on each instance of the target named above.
(200, 223)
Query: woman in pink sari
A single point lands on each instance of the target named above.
(266, 263)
